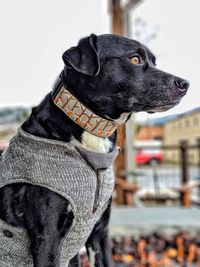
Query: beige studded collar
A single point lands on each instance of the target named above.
(83, 116)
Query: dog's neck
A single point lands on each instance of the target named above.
(48, 121)
(96, 129)
(82, 115)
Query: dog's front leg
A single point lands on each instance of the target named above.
(48, 218)
(98, 244)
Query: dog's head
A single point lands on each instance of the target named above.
(113, 75)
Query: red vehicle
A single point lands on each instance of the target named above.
(148, 156)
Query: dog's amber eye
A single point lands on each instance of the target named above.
(135, 60)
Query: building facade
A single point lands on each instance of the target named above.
(148, 132)
(184, 127)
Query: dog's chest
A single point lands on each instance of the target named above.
(93, 143)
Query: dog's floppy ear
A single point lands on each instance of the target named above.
(83, 57)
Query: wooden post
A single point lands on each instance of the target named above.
(185, 194)
(184, 161)
(118, 29)
(198, 146)
(117, 17)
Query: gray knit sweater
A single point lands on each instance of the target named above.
(74, 174)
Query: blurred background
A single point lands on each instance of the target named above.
(155, 219)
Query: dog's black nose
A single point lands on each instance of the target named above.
(182, 85)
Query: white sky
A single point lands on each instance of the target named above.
(177, 45)
(33, 37)
(34, 34)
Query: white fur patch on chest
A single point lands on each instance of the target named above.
(93, 143)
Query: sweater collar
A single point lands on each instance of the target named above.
(83, 116)
(99, 161)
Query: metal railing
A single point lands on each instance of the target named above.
(178, 173)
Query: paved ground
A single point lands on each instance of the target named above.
(144, 220)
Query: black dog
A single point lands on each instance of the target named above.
(111, 75)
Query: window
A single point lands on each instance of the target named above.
(187, 123)
(196, 120)
(180, 125)
(173, 126)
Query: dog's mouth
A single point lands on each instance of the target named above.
(164, 107)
